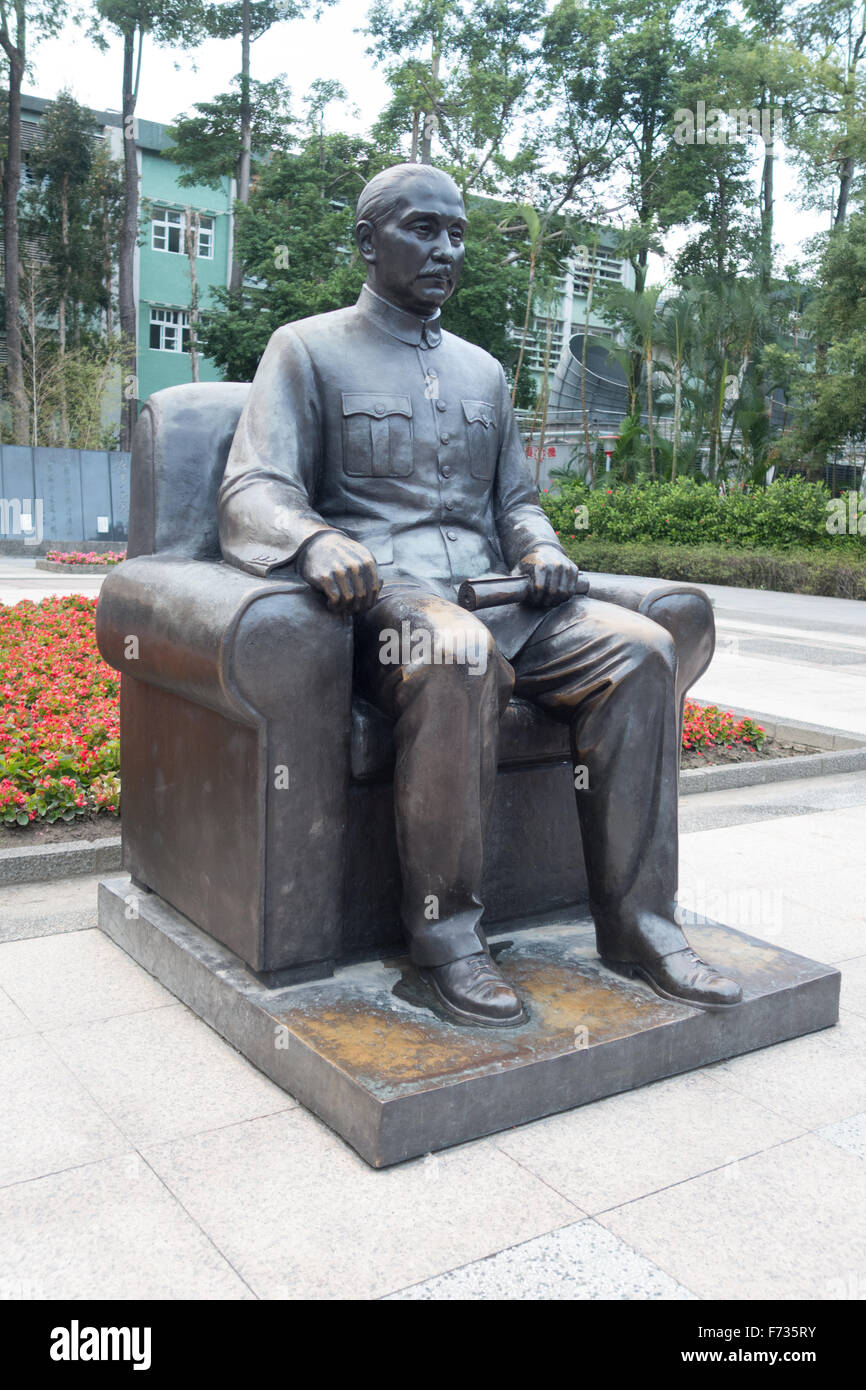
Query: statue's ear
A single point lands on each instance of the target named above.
(365, 234)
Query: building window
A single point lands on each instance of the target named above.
(169, 227)
(205, 237)
(607, 269)
(537, 342)
(169, 330)
(167, 230)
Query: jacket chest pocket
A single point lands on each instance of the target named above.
(483, 437)
(377, 435)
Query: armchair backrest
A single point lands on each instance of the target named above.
(179, 454)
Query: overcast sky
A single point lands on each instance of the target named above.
(171, 82)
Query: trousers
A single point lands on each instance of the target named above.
(608, 673)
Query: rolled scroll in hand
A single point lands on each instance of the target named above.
(496, 589)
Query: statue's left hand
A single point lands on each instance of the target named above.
(554, 577)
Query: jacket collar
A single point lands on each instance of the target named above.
(400, 324)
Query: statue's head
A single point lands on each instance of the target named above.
(409, 227)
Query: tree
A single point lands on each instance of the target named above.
(207, 145)
(258, 112)
(297, 244)
(62, 162)
(104, 196)
(180, 23)
(833, 399)
(829, 136)
(462, 75)
(22, 24)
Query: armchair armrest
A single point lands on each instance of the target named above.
(683, 610)
(218, 636)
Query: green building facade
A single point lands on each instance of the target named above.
(163, 273)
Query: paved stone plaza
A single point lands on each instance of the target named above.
(143, 1158)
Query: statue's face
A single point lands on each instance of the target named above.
(415, 256)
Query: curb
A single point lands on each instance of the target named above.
(41, 863)
(58, 567)
(842, 752)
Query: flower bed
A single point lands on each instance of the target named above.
(706, 727)
(86, 557)
(59, 728)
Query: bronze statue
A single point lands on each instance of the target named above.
(379, 455)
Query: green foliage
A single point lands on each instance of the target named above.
(832, 573)
(789, 514)
(207, 145)
(296, 239)
(297, 244)
(57, 211)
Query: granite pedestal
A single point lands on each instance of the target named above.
(369, 1052)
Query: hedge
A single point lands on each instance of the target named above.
(790, 514)
(793, 572)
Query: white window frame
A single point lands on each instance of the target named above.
(173, 326)
(206, 236)
(163, 222)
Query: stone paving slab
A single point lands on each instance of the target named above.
(107, 1230)
(579, 1262)
(298, 1214)
(786, 1223)
(370, 1053)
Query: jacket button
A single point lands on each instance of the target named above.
(379, 408)
(449, 506)
(452, 535)
(446, 470)
(445, 437)
(440, 405)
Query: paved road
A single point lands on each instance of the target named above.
(20, 579)
(792, 656)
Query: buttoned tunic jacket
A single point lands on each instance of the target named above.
(375, 423)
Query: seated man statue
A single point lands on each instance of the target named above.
(380, 455)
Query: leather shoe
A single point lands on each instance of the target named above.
(475, 991)
(684, 978)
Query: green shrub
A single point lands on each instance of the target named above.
(835, 575)
(789, 514)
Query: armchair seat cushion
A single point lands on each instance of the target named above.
(527, 735)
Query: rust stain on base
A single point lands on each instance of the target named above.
(383, 1045)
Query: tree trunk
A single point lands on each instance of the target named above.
(245, 161)
(525, 324)
(430, 119)
(12, 183)
(678, 405)
(107, 266)
(846, 178)
(191, 231)
(767, 200)
(128, 241)
(61, 308)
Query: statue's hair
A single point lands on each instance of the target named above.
(381, 196)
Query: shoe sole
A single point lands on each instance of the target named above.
(466, 1017)
(638, 972)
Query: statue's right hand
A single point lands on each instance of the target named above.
(344, 571)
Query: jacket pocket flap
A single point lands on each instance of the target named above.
(479, 412)
(381, 549)
(371, 403)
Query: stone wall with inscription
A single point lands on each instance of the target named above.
(62, 496)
